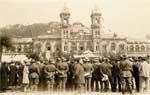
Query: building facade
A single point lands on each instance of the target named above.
(76, 38)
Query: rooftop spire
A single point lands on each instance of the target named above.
(96, 9)
(65, 9)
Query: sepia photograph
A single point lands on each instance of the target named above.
(74, 47)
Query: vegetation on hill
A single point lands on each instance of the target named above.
(5, 42)
(19, 30)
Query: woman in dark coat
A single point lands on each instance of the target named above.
(13, 76)
(4, 76)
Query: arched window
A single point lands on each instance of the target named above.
(142, 48)
(97, 33)
(73, 46)
(137, 48)
(48, 46)
(65, 46)
(113, 46)
(131, 48)
(22, 48)
(25, 48)
(16, 48)
(128, 48)
(121, 47)
(19, 48)
(65, 33)
(13, 49)
(81, 46)
(148, 48)
(97, 46)
(96, 21)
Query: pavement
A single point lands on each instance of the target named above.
(68, 93)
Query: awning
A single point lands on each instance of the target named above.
(9, 58)
(88, 54)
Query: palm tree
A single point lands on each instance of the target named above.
(5, 42)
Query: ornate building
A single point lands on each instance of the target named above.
(76, 38)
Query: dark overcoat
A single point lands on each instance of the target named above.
(78, 72)
(95, 74)
(20, 74)
(12, 75)
(4, 76)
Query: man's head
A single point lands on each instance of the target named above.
(131, 59)
(123, 57)
(46, 62)
(63, 59)
(96, 60)
(86, 60)
(59, 60)
(52, 61)
(143, 59)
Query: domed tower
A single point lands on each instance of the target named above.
(96, 29)
(65, 29)
(65, 15)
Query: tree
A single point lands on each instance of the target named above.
(5, 42)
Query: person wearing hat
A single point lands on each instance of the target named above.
(116, 84)
(20, 73)
(126, 74)
(148, 58)
(49, 71)
(62, 69)
(88, 68)
(34, 73)
(12, 76)
(4, 77)
(104, 69)
(25, 77)
(135, 66)
(144, 74)
(41, 85)
(95, 76)
(78, 75)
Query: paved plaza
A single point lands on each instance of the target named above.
(68, 93)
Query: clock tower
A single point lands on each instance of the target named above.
(96, 29)
(65, 29)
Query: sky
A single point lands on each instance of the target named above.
(130, 18)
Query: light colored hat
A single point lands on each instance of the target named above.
(64, 59)
(131, 59)
(86, 59)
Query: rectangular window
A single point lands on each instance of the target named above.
(97, 48)
(65, 48)
(65, 33)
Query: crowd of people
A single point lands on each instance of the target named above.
(77, 74)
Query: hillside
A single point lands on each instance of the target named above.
(34, 30)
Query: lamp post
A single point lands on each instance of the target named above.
(32, 40)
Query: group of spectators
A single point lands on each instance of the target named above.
(77, 74)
